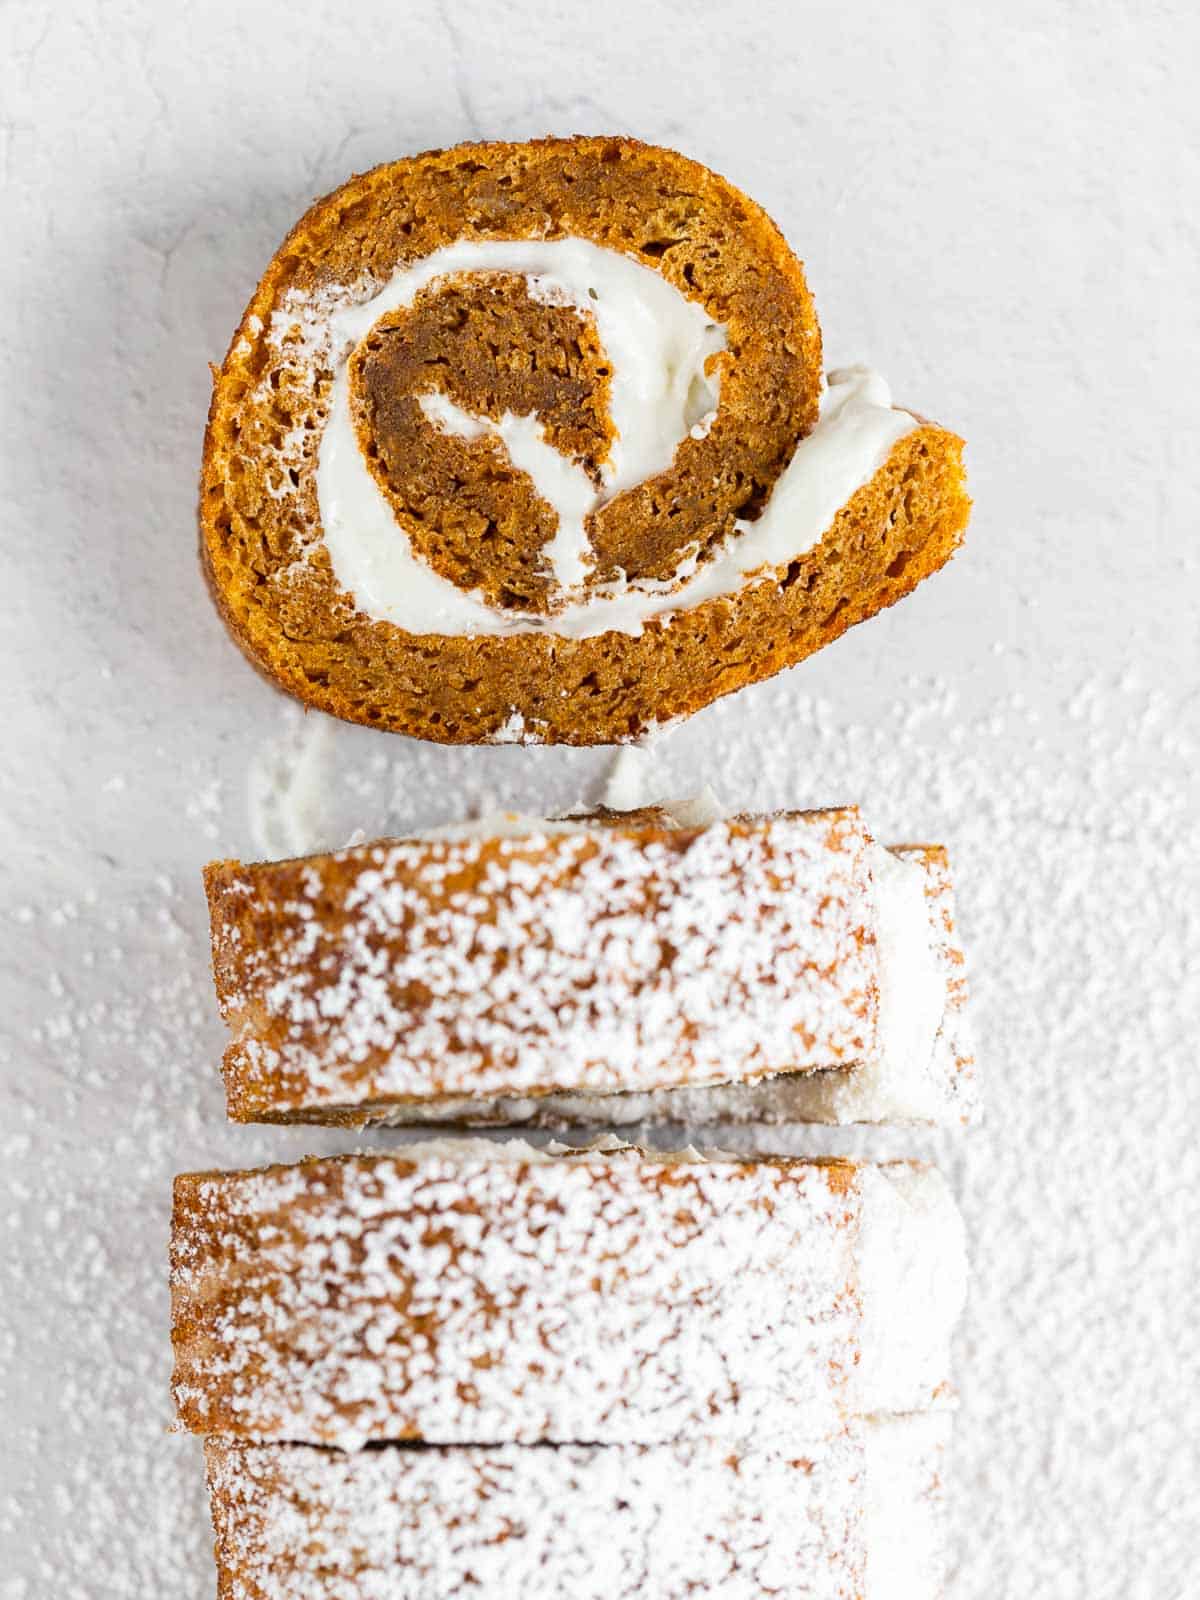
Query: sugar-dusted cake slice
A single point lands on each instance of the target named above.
(625, 952)
(469, 1292)
(663, 965)
(922, 1069)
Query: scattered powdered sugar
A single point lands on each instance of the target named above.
(617, 1523)
(598, 1298)
(1070, 822)
(204, 808)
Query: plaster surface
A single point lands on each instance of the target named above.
(996, 207)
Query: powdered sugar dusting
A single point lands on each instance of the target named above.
(604, 959)
(620, 1523)
(600, 1298)
(918, 1073)
(1069, 825)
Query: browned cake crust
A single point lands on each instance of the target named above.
(270, 572)
(628, 955)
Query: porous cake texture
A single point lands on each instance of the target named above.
(429, 389)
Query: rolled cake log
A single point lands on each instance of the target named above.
(860, 1517)
(505, 972)
(492, 1294)
(531, 442)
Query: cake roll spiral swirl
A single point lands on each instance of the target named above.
(533, 442)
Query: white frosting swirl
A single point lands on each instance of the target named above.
(657, 344)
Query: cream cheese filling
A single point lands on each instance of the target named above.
(658, 345)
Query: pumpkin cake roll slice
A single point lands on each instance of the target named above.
(603, 968)
(857, 1517)
(475, 1293)
(533, 442)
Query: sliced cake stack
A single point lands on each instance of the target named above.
(479, 1367)
(470, 1366)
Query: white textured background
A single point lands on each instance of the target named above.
(997, 206)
